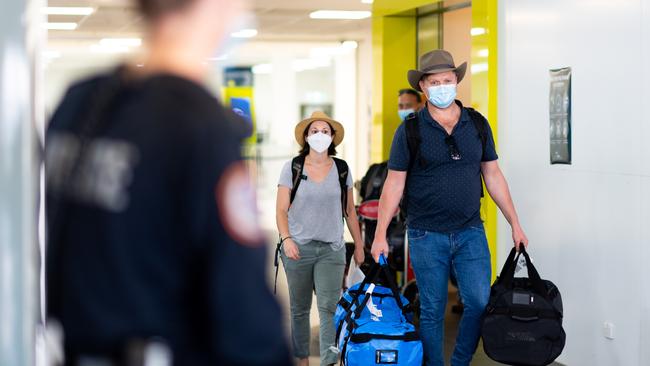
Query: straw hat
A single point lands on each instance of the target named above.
(339, 131)
(435, 62)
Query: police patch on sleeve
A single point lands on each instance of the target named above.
(236, 203)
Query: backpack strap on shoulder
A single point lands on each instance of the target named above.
(480, 123)
(343, 170)
(414, 140)
(297, 165)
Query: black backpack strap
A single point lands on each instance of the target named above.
(297, 165)
(276, 263)
(480, 123)
(413, 140)
(343, 170)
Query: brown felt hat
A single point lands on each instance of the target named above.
(435, 62)
(339, 131)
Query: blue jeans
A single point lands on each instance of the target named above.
(432, 255)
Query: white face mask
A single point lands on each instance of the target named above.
(319, 141)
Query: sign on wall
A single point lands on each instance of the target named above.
(560, 116)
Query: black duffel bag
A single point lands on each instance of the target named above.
(522, 324)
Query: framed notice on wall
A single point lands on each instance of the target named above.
(560, 116)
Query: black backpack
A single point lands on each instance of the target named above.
(372, 183)
(522, 324)
(414, 140)
(297, 166)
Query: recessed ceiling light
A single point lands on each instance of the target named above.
(244, 33)
(54, 10)
(349, 45)
(483, 53)
(367, 1)
(478, 68)
(477, 31)
(61, 26)
(340, 14)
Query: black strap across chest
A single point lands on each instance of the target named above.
(297, 176)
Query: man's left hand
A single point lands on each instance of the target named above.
(518, 237)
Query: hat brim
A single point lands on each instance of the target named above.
(337, 126)
(414, 76)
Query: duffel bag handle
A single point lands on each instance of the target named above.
(508, 272)
(380, 267)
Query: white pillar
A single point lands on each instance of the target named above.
(285, 113)
(345, 106)
(17, 188)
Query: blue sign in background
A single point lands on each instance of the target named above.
(242, 107)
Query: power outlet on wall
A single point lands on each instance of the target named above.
(608, 330)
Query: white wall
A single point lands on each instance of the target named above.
(587, 222)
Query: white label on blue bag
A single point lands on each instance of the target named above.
(371, 306)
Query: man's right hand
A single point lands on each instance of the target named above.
(379, 246)
(291, 249)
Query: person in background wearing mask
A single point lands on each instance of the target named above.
(442, 190)
(409, 101)
(154, 253)
(311, 206)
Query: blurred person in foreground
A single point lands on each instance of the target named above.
(152, 227)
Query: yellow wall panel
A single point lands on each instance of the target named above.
(484, 93)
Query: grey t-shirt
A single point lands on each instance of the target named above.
(316, 213)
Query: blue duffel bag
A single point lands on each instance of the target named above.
(373, 324)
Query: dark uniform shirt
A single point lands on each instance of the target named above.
(152, 231)
(444, 196)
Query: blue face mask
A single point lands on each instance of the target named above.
(442, 95)
(405, 113)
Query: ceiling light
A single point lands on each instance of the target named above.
(349, 45)
(61, 26)
(367, 1)
(340, 14)
(483, 53)
(121, 42)
(53, 10)
(262, 69)
(244, 33)
(478, 68)
(477, 31)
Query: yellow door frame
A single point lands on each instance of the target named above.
(394, 53)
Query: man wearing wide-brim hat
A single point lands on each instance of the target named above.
(436, 161)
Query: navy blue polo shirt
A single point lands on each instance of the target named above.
(443, 196)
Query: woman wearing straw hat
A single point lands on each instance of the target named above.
(314, 196)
